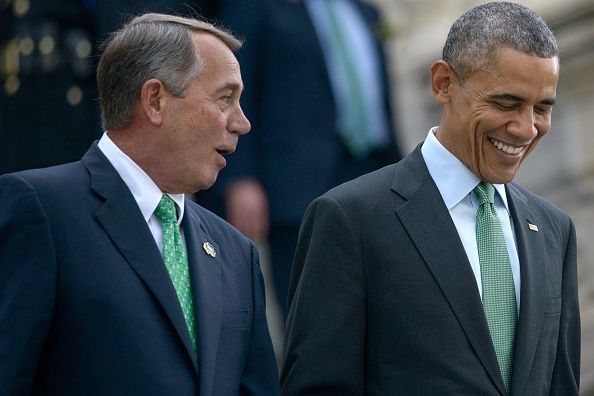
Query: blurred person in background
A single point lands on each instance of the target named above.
(317, 95)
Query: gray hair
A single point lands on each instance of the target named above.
(150, 46)
(480, 31)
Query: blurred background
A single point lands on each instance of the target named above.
(48, 111)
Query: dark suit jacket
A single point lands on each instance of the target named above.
(294, 149)
(88, 307)
(384, 301)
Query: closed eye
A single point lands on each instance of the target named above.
(507, 106)
(543, 110)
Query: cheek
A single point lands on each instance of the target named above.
(213, 117)
(477, 130)
(542, 126)
(534, 143)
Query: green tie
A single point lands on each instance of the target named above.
(176, 261)
(499, 298)
(354, 129)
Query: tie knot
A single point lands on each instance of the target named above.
(485, 193)
(165, 211)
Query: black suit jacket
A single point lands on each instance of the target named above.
(383, 300)
(294, 149)
(88, 307)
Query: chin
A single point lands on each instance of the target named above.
(500, 178)
(207, 182)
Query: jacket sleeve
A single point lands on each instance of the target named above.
(566, 372)
(325, 337)
(27, 284)
(260, 376)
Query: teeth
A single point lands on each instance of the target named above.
(505, 148)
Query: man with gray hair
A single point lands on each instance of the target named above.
(438, 275)
(112, 282)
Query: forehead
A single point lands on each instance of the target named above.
(215, 54)
(516, 72)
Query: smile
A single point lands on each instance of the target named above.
(511, 150)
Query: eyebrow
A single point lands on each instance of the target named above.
(516, 98)
(232, 86)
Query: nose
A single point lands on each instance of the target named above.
(238, 123)
(523, 125)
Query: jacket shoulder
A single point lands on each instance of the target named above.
(366, 184)
(536, 202)
(56, 179)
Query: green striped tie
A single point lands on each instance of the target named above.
(499, 298)
(354, 131)
(176, 261)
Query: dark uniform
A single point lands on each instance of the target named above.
(48, 97)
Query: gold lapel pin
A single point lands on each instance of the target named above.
(209, 249)
(533, 227)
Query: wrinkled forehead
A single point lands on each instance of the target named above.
(212, 50)
(219, 66)
(515, 73)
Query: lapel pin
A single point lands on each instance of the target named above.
(209, 249)
(533, 227)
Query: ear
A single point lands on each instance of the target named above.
(152, 101)
(441, 77)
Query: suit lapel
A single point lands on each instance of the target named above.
(437, 239)
(205, 272)
(530, 245)
(122, 221)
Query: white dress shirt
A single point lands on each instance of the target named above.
(144, 190)
(456, 183)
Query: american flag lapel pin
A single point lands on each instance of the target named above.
(533, 227)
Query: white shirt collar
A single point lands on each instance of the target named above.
(143, 188)
(453, 179)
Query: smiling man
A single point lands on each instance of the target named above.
(438, 275)
(112, 282)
